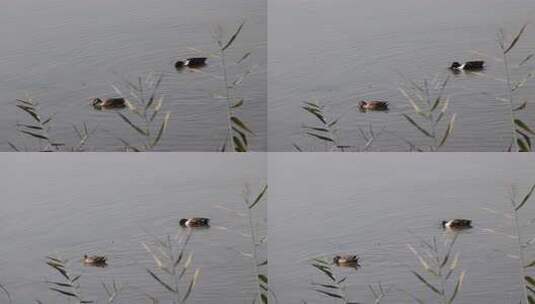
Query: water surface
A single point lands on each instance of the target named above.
(342, 51)
(63, 52)
(106, 203)
(373, 206)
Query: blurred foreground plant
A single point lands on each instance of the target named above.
(38, 129)
(172, 265)
(236, 138)
(528, 282)
(439, 265)
(432, 110)
(521, 132)
(144, 107)
(258, 245)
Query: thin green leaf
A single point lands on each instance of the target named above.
(239, 146)
(191, 285)
(515, 40)
(317, 129)
(524, 126)
(417, 126)
(411, 101)
(34, 127)
(330, 294)
(263, 278)
(238, 104)
(243, 57)
(325, 138)
(521, 107)
(34, 134)
(433, 288)
(162, 129)
(530, 280)
(325, 270)
(70, 294)
(448, 131)
(229, 43)
(240, 124)
(522, 145)
(31, 111)
(12, 146)
(165, 285)
(530, 264)
(316, 113)
(131, 124)
(259, 198)
(457, 287)
(526, 198)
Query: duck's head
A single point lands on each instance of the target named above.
(180, 64)
(96, 102)
(336, 259)
(455, 65)
(182, 222)
(444, 223)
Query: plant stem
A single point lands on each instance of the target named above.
(511, 107)
(516, 228)
(255, 253)
(229, 99)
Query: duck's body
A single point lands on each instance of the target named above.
(468, 66)
(194, 222)
(195, 62)
(373, 105)
(109, 103)
(457, 224)
(95, 260)
(346, 260)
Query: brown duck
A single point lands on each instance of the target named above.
(109, 103)
(346, 260)
(373, 105)
(95, 260)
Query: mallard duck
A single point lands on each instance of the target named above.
(467, 66)
(95, 260)
(457, 224)
(373, 105)
(195, 62)
(194, 222)
(109, 103)
(346, 260)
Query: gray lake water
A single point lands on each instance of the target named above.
(62, 52)
(342, 51)
(107, 203)
(375, 205)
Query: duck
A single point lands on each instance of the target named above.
(194, 222)
(109, 103)
(468, 66)
(457, 224)
(373, 105)
(195, 62)
(95, 260)
(346, 260)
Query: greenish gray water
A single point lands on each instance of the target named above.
(374, 205)
(109, 203)
(342, 51)
(63, 52)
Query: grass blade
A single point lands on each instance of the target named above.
(229, 43)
